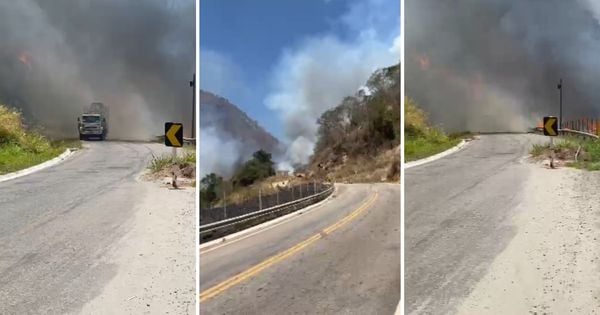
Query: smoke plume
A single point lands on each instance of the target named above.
(494, 65)
(219, 153)
(318, 73)
(137, 57)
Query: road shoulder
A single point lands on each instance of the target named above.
(155, 259)
(552, 263)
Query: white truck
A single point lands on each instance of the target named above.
(92, 123)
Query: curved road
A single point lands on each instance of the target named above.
(56, 225)
(346, 267)
(458, 215)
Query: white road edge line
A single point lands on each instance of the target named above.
(243, 234)
(36, 168)
(438, 156)
(398, 308)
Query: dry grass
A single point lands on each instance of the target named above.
(384, 167)
(267, 186)
(184, 166)
(565, 150)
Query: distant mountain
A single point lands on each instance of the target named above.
(232, 123)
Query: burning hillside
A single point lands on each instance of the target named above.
(135, 56)
(499, 71)
(228, 137)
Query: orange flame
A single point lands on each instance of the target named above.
(25, 58)
(424, 62)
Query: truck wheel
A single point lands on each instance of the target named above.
(81, 137)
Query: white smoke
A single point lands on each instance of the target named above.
(318, 73)
(218, 154)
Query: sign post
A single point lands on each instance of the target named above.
(559, 86)
(193, 86)
(174, 139)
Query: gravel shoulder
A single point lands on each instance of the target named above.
(552, 264)
(155, 258)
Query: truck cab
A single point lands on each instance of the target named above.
(92, 123)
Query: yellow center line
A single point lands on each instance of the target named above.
(255, 270)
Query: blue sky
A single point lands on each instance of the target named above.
(257, 54)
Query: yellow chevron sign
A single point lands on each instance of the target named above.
(173, 134)
(550, 126)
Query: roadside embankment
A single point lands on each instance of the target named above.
(21, 147)
(421, 139)
(569, 151)
(183, 166)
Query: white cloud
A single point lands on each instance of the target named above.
(397, 47)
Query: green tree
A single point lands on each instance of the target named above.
(257, 168)
(263, 157)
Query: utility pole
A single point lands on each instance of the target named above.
(259, 199)
(224, 203)
(193, 85)
(560, 112)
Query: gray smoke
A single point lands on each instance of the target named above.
(137, 57)
(220, 153)
(316, 77)
(494, 65)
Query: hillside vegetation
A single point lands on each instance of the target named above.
(359, 140)
(254, 173)
(422, 139)
(21, 148)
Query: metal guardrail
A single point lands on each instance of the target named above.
(231, 225)
(567, 131)
(161, 139)
(577, 133)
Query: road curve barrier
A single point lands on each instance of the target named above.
(587, 128)
(572, 132)
(225, 227)
(189, 140)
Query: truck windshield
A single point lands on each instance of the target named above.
(91, 119)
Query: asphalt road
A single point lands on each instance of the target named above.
(353, 270)
(56, 225)
(458, 215)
